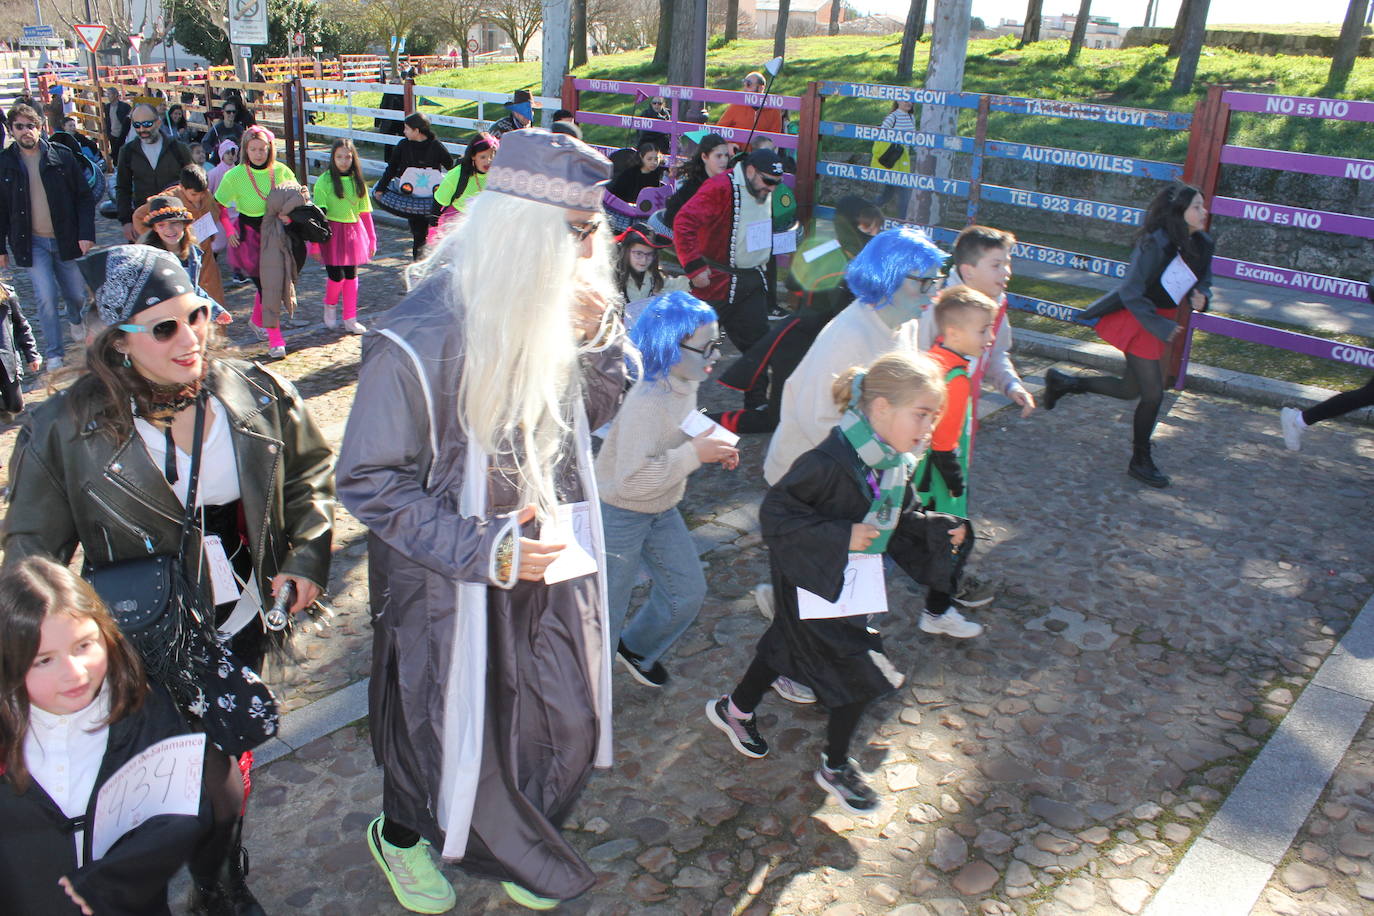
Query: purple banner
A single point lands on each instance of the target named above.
(1300, 106)
(1284, 340)
(1335, 287)
(1298, 218)
(1306, 163)
(633, 122)
(696, 93)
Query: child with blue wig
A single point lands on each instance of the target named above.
(642, 471)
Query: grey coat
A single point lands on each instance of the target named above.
(403, 478)
(1140, 291)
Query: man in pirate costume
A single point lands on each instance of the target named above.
(471, 468)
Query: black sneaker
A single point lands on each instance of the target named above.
(743, 733)
(975, 592)
(655, 676)
(847, 786)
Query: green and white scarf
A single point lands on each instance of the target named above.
(896, 468)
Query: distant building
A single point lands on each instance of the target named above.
(806, 16)
(1102, 32)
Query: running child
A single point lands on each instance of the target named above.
(342, 194)
(638, 275)
(850, 495)
(169, 228)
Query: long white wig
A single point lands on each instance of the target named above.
(513, 272)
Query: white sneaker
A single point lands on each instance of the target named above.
(1290, 418)
(54, 364)
(763, 597)
(331, 315)
(793, 692)
(950, 623)
(354, 326)
(276, 353)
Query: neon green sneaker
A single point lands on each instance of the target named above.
(416, 881)
(526, 899)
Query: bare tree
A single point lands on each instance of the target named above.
(731, 20)
(948, 53)
(579, 33)
(664, 45)
(122, 17)
(1194, 30)
(519, 19)
(1180, 23)
(1348, 45)
(780, 33)
(835, 7)
(1080, 31)
(622, 24)
(1030, 29)
(915, 28)
(457, 18)
(687, 63)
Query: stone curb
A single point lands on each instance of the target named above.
(1226, 870)
(1253, 389)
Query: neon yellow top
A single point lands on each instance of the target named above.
(340, 209)
(248, 194)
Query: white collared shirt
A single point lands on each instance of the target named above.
(63, 754)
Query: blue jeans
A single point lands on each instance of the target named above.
(48, 274)
(679, 586)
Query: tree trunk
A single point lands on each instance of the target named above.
(731, 20)
(780, 33)
(915, 25)
(557, 29)
(687, 61)
(664, 45)
(835, 7)
(1348, 45)
(1191, 49)
(948, 51)
(1149, 14)
(1180, 24)
(1030, 30)
(1080, 31)
(579, 33)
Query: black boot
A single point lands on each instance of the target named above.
(219, 873)
(1058, 384)
(1142, 468)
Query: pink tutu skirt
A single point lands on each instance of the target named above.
(244, 256)
(349, 245)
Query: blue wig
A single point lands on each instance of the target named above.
(877, 272)
(667, 320)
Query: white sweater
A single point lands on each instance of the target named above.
(855, 337)
(646, 458)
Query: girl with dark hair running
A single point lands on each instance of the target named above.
(1138, 317)
(420, 149)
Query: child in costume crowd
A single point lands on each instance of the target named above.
(851, 494)
(342, 194)
(169, 228)
(642, 472)
(463, 183)
(76, 706)
(18, 351)
(638, 275)
(965, 319)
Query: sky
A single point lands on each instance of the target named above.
(1132, 12)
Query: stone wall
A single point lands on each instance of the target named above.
(1303, 249)
(1251, 42)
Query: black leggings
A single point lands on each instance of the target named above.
(419, 232)
(1340, 404)
(1144, 379)
(337, 272)
(839, 730)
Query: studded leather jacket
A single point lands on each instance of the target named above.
(72, 485)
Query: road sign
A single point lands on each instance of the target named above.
(90, 35)
(298, 39)
(248, 22)
(473, 45)
(40, 42)
(40, 31)
(135, 41)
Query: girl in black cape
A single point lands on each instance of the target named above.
(851, 494)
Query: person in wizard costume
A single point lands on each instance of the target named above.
(490, 694)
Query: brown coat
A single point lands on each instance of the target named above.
(198, 202)
(277, 264)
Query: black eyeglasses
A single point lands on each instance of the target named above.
(770, 182)
(581, 231)
(926, 284)
(21, 126)
(708, 351)
(167, 328)
(139, 125)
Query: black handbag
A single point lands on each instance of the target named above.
(162, 613)
(889, 157)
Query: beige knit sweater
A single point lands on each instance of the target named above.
(644, 462)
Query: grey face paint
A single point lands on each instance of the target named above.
(695, 362)
(907, 304)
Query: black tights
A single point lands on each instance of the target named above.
(1340, 404)
(839, 730)
(1144, 379)
(337, 272)
(419, 233)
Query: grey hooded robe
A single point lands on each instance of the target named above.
(529, 689)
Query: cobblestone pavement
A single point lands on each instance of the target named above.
(1141, 647)
(1328, 870)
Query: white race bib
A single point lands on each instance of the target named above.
(696, 423)
(758, 236)
(573, 526)
(865, 591)
(164, 779)
(222, 580)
